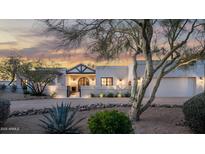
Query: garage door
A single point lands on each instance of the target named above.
(174, 87)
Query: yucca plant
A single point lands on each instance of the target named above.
(60, 120)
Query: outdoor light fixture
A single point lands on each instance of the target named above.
(200, 78)
(120, 79)
(73, 79)
(119, 95)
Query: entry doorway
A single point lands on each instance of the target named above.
(83, 82)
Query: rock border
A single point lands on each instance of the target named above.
(83, 108)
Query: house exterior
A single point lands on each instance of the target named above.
(83, 81)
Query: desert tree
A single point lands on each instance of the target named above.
(36, 75)
(172, 43)
(36, 78)
(9, 67)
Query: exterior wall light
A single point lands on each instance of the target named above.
(101, 95)
(200, 78)
(119, 95)
(120, 79)
(129, 83)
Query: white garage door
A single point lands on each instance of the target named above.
(174, 87)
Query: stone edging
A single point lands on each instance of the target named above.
(82, 108)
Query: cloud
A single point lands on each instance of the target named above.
(9, 43)
(28, 39)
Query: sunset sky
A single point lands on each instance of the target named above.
(28, 39)
(24, 36)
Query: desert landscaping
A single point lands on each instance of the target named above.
(162, 118)
(156, 120)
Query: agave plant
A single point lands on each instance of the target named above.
(60, 120)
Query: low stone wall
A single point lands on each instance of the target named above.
(86, 91)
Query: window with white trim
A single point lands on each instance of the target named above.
(107, 81)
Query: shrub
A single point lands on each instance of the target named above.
(92, 95)
(101, 95)
(37, 94)
(4, 111)
(2, 87)
(110, 122)
(13, 88)
(110, 95)
(119, 95)
(54, 94)
(127, 94)
(60, 120)
(24, 87)
(26, 92)
(194, 111)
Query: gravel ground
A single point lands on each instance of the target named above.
(156, 120)
(45, 103)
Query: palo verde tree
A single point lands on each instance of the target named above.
(172, 42)
(34, 74)
(36, 78)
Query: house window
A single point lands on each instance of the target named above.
(107, 81)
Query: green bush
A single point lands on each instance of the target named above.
(92, 95)
(32, 93)
(13, 88)
(2, 87)
(110, 122)
(127, 94)
(60, 120)
(101, 95)
(26, 92)
(119, 95)
(110, 95)
(194, 111)
(4, 111)
(24, 87)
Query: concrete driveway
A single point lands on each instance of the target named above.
(46, 103)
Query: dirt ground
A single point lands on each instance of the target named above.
(156, 120)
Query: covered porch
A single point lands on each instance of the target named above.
(78, 76)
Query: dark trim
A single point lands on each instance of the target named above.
(81, 70)
(80, 73)
(84, 69)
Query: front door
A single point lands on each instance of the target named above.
(83, 82)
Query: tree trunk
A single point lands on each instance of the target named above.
(134, 113)
(12, 80)
(134, 80)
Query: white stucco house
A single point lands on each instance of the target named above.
(83, 81)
